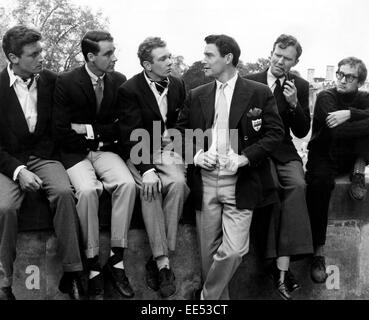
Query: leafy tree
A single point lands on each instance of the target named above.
(62, 25)
(179, 67)
(252, 67)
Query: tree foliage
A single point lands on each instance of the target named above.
(62, 25)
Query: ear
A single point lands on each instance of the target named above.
(296, 62)
(90, 57)
(147, 65)
(13, 58)
(229, 58)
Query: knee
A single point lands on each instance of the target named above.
(8, 210)
(299, 184)
(87, 192)
(237, 254)
(178, 185)
(64, 192)
(128, 186)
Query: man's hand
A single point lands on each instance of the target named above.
(28, 181)
(207, 160)
(290, 93)
(236, 161)
(79, 128)
(151, 186)
(336, 118)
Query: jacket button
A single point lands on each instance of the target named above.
(245, 138)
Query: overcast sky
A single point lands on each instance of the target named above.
(327, 29)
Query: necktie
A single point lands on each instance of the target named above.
(99, 92)
(161, 85)
(222, 124)
(31, 78)
(278, 89)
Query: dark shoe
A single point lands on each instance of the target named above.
(152, 275)
(196, 294)
(318, 270)
(167, 286)
(96, 287)
(119, 280)
(6, 293)
(291, 282)
(357, 189)
(281, 286)
(71, 284)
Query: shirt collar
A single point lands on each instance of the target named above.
(231, 83)
(271, 78)
(12, 76)
(151, 82)
(93, 76)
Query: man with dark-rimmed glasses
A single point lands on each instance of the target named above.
(339, 144)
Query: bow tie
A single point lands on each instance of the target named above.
(161, 85)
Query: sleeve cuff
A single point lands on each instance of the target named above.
(196, 156)
(150, 170)
(90, 132)
(16, 172)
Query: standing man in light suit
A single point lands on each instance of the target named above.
(228, 176)
(85, 119)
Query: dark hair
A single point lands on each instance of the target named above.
(147, 46)
(286, 40)
(90, 41)
(17, 37)
(353, 62)
(225, 45)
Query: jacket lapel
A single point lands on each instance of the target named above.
(148, 95)
(87, 87)
(43, 101)
(240, 102)
(108, 94)
(207, 102)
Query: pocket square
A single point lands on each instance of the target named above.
(254, 112)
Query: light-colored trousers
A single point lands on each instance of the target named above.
(223, 233)
(161, 216)
(103, 170)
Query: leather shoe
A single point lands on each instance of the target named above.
(357, 188)
(152, 275)
(71, 284)
(280, 285)
(96, 287)
(167, 286)
(6, 293)
(317, 269)
(119, 280)
(291, 282)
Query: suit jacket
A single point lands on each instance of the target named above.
(139, 109)
(255, 184)
(298, 121)
(16, 142)
(75, 102)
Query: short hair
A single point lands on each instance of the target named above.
(90, 41)
(353, 62)
(147, 46)
(286, 40)
(225, 45)
(17, 37)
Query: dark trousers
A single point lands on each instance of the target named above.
(323, 167)
(57, 189)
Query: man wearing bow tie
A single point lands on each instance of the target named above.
(149, 105)
(85, 119)
(28, 157)
(230, 174)
(292, 221)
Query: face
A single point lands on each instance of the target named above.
(214, 63)
(344, 85)
(104, 60)
(161, 65)
(30, 61)
(282, 60)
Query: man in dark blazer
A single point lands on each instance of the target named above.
(292, 96)
(85, 119)
(231, 169)
(149, 105)
(28, 158)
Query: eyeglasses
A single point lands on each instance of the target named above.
(349, 77)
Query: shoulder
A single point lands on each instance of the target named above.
(204, 88)
(255, 86)
(48, 75)
(300, 82)
(118, 77)
(70, 75)
(254, 76)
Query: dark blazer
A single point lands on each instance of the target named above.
(75, 102)
(297, 121)
(16, 142)
(255, 184)
(139, 109)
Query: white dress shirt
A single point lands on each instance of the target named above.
(271, 79)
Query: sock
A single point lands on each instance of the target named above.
(162, 262)
(359, 166)
(283, 263)
(116, 257)
(93, 267)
